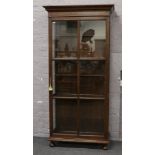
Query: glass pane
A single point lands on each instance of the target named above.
(64, 39)
(66, 85)
(92, 38)
(90, 85)
(91, 67)
(64, 77)
(64, 115)
(91, 116)
(66, 67)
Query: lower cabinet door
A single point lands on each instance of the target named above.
(91, 117)
(65, 116)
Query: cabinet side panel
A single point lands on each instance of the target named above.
(107, 63)
(50, 74)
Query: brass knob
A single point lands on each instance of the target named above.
(50, 86)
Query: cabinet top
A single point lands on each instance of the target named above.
(68, 8)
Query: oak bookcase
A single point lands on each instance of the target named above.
(79, 50)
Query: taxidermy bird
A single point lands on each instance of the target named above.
(87, 35)
(86, 42)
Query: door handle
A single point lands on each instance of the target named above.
(50, 86)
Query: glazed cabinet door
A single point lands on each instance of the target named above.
(64, 76)
(91, 76)
(78, 52)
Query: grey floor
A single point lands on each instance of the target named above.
(41, 147)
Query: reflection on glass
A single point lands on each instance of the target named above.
(66, 67)
(93, 38)
(64, 38)
(90, 85)
(91, 67)
(64, 116)
(66, 85)
(65, 78)
(91, 116)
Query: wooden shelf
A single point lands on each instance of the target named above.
(90, 95)
(92, 58)
(92, 75)
(64, 97)
(96, 75)
(91, 98)
(65, 58)
(66, 36)
(65, 74)
(83, 58)
(77, 96)
(61, 132)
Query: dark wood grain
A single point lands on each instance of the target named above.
(107, 75)
(77, 14)
(79, 139)
(50, 75)
(71, 8)
(82, 96)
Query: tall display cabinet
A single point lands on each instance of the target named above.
(79, 50)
